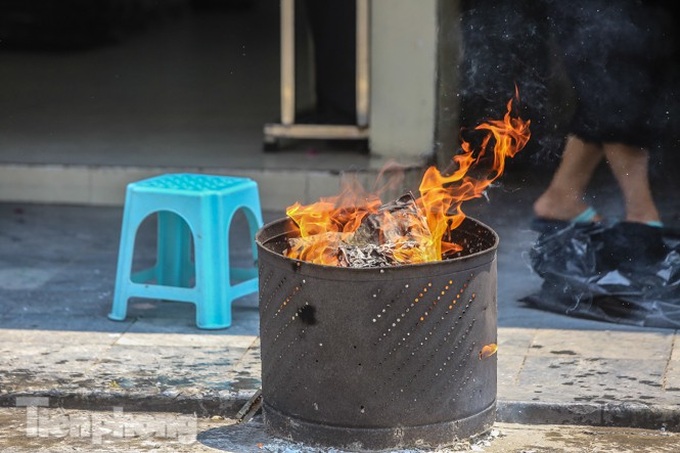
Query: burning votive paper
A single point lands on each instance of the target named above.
(397, 233)
(356, 229)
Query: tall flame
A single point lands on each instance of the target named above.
(417, 235)
(442, 195)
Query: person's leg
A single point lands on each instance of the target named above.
(563, 199)
(630, 166)
(333, 29)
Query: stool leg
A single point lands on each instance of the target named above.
(124, 267)
(213, 309)
(173, 266)
(254, 217)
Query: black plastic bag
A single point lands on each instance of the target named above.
(626, 273)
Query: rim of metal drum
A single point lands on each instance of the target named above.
(282, 228)
(434, 436)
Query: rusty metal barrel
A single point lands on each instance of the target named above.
(378, 358)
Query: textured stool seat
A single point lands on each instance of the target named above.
(189, 206)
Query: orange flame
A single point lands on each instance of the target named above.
(418, 235)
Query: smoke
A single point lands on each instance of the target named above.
(604, 70)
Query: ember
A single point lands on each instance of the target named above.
(356, 229)
(488, 350)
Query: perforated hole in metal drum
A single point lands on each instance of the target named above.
(378, 358)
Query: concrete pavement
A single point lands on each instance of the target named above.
(70, 431)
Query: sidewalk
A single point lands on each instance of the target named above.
(57, 270)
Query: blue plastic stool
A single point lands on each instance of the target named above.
(188, 205)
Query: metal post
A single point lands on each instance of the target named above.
(363, 63)
(287, 62)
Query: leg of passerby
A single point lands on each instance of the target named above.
(333, 29)
(630, 166)
(564, 197)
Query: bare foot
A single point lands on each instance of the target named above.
(563, 200)
(555, 206)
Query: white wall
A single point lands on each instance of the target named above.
(403, 77)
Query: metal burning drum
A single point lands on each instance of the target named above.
(378, 358)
